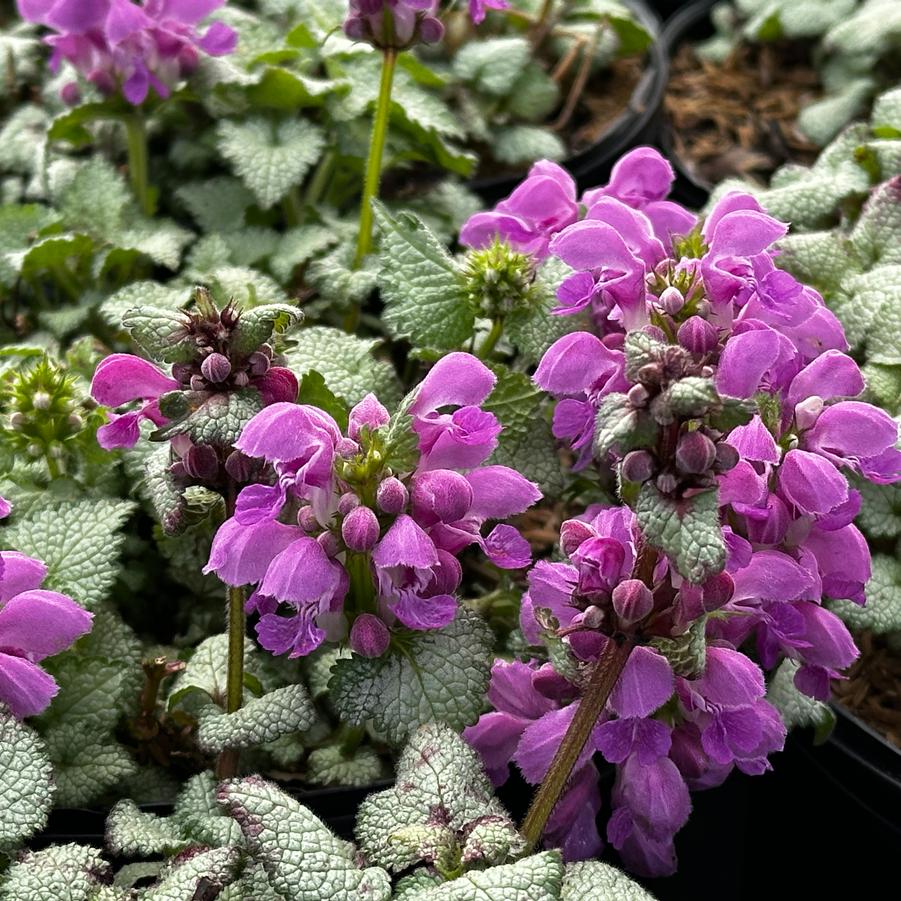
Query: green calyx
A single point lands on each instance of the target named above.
(498, 280)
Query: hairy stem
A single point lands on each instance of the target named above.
(138, 166)
(603, 678)
(491, 339)
(376, 152)
(543, 24)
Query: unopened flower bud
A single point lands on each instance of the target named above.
(369, 636)
(35, 450)
(56, 450)
(808, 412)
(329, 543)
(182, 373)
(41, 400)
(637, 466)
(201, 462)
(239, 466)
(17, 420)
(197, 383)
(242, 379)
(666, 483)
(650, 374)
(306, 519)
(697, 335)
(75, 422)
(259, 363)
(440, 495)
(717, 591)
(347, 502)
(632, 601)
(671, 300)
(347, 448)
(655, 332)
(593, 617)
(573, 533)
(695, 453)
(392, 496)
(360, 529)
(216, 368)
(726, 457)
(638, 396)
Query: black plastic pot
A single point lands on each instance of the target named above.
(639, 124)
(690, 23)
(667, 8)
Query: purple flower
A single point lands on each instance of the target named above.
(34, 624)
(544, 204)
(393, 23)
(120, 379)
(121, 45)
(478, 8)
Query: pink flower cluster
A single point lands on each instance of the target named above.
(710, 297)
(120, 45)
(337, 540)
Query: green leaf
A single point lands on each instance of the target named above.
(80, 543)
(95, 200)
(262, 324)
(280, 712)
(346, 362)
(314, 391)
(882, 612)
(877, 234)
(132, 832)
(526, 443)
(439, 780)
(217, 420)
(424, 299)
(304, 861)
(620, 427)
(19, 225)
(298, 246)
(270, 158)
(197, 813)
(71, 125)
(160, 333)
(493, 66)
(26, 786)
(66, 872)
(517, 145)
(141, 294)
(593, 880)
(217, 204)
(880, 512)
(535, 878)
(185, 878)
(687, 531)
(330, 765)
(438, 676)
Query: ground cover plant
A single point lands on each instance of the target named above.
(276, 431)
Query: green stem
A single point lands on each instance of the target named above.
(362, 591)
(138, 166)
(319, 182)
(292, 207)
(53, 467)
(603, 678)
(376, 152)
(491, 339)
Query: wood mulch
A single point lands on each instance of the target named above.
(737, 118)
(872, 690)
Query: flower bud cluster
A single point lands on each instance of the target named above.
(498, 280)
(352, 539)
(394, 24)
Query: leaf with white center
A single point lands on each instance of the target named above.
(19, 225)
(687, 531)
(880, 512)
(620, 427)
(493, 66)
(143, 293)
(526, 443)
(26, 788)
(298, 246)
(197, 813)
(86, 764)
(821, 259)
(94, 201)
(304, 861)
(339, 282)
(518, 145)
(161, 333)
(280, 712)
(59, 873)
(535, 878)
(243, 285)
(440, 781)
(422, 290)
(823, 119)
(346, 362)
(411, 887)
(78, 541)
(877, 234)
(330, 765)
(248, 246)
(437, 676)
(593, 880)
(132, 832)
(871, 299)
(882, 612)
(22, 137)
(197, 876)
(216, 204)
(796, 708)
(161, 240)
(270, 157)
(883, 386)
